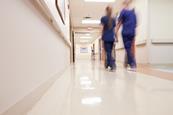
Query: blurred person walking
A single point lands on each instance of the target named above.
(108, 36)
(128, 20)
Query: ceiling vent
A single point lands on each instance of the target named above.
(87, 17)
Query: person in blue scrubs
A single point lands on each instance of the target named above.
(108, 36)
(128, 20)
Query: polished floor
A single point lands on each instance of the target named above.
(87, 89)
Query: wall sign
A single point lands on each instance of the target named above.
(83, 50)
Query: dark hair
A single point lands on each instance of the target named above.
(109, 14)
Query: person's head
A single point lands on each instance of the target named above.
(109, 11)
(127, 2)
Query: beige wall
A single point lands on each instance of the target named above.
(160, 19)
(160, 28)
(31, 51)
(161, 54)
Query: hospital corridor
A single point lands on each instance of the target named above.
(86, 57)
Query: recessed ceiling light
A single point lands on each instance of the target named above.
(85, 37)
(88, 88)
(90, 28)
(91, 100)
(99, 0)
(84, 41)
(89, 21)
(88, 34)
(84, 78)
(85, 82)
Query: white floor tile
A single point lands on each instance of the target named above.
(87, 89)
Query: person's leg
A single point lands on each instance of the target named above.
(114, 56)
(108, 49)
(125, 60)
(133, 52)
(104, 55)
(125, 56)
(106, 46)
(111, 44)
(128, 42)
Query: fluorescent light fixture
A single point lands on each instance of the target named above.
(99, 1)
(85, 37)
(89, 28)
(84, 41)
(90, 21)
(91, 100)
(87, 34)
(85, 82)
(87, 88)
(84, 78)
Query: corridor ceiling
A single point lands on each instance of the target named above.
(80, 10)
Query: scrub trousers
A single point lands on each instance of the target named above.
(129, 44)
(108, 46)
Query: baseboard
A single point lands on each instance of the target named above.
(24, 105)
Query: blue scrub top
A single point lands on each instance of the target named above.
(128, 19)
(108, 34)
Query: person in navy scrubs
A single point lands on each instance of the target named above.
(108, 36)
(128, 20)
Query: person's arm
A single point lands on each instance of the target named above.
(136, 20)
(102, 25)
(118, 26)
(102, 30)
(117, 29)
(120, 21)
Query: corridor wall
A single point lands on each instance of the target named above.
(33, 55)
(160, 31)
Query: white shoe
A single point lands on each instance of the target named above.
(131, 69)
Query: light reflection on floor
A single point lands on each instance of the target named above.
(86, 88)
